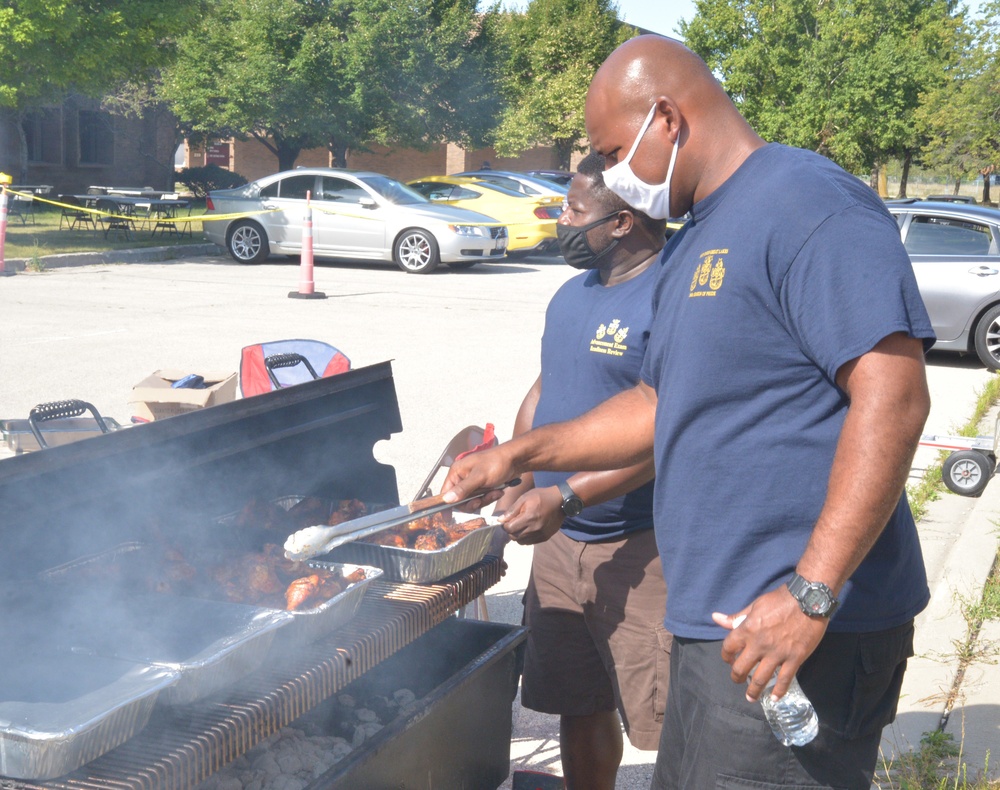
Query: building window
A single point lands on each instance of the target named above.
(97, 138)
(43, 134)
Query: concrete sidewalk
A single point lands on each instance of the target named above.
(959, 537)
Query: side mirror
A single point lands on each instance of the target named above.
(367, 202)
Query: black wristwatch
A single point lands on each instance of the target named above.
(572, 505)
(815, 598)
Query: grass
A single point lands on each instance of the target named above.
(34, 241)
(938, 764)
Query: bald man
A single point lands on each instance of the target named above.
(782, 397)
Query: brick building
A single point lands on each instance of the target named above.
(76, 144)
(252, 160)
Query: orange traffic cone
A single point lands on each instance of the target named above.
(4, 181)
(306, 284)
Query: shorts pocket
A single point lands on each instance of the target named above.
(878, 679)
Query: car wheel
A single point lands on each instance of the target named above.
(462, 264)
(967, 472)
(247, 242)
(416, 251)
(987, 338)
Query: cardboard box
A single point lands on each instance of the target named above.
(156, 399)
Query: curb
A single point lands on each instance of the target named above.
(140, 255)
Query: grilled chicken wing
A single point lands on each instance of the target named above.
(300, 591)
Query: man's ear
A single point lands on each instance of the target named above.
(623, 224)
(671, 115)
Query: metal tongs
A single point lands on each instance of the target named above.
(313, 541)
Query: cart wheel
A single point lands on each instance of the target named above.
(967, 472)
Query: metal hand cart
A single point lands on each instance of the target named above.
(972, 463)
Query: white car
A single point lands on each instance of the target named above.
(355, 215)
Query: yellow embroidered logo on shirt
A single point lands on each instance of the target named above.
(709, 272)
(615, 345)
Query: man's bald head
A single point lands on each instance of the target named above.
(646, 67)
(690, 111)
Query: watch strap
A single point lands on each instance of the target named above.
(572, 505)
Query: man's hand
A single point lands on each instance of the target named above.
(484, 469)
(535, 517)
(772, 632)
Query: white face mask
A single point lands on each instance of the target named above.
(653, 199)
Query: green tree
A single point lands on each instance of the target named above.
(297, 74)
(435, 84)
(842, 77)
(248, 70)
(549, 56)
(961, 117)
(52, 46)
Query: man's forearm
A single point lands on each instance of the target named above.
(616, 434)
(597, 487)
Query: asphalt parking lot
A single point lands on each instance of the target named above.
(464, 347)
(463, 344)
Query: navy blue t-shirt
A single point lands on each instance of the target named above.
(789, 270)
(592, 348)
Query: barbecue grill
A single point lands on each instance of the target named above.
(180, 477)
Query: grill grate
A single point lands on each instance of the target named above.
(183, 746)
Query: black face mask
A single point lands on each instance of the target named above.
(575, 247)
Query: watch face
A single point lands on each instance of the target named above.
(816, 600)
(573, 506)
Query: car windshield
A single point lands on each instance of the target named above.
(501, 189)
(393, 191)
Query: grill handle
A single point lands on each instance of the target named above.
(59, 409)
(287, 360)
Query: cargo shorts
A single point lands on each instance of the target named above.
(597, 641)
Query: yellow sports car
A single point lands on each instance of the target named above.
(530, 221)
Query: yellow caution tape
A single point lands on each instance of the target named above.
(133, 217)
(240, 215)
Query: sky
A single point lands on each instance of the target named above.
(660, 16)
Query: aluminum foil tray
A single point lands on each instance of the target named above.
(208, 644)
(308, 625)
(420, 567)
(301, 625)
(59, 712)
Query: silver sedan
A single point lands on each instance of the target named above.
(955, 253)
(355, 215)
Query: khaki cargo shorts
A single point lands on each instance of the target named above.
(597, 641)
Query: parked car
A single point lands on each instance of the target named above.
(530, 220)
(560, 178)
(951, 198)
(519, 182)
(356, 215)
(955, 252)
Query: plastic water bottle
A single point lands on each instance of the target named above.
(792, 718)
